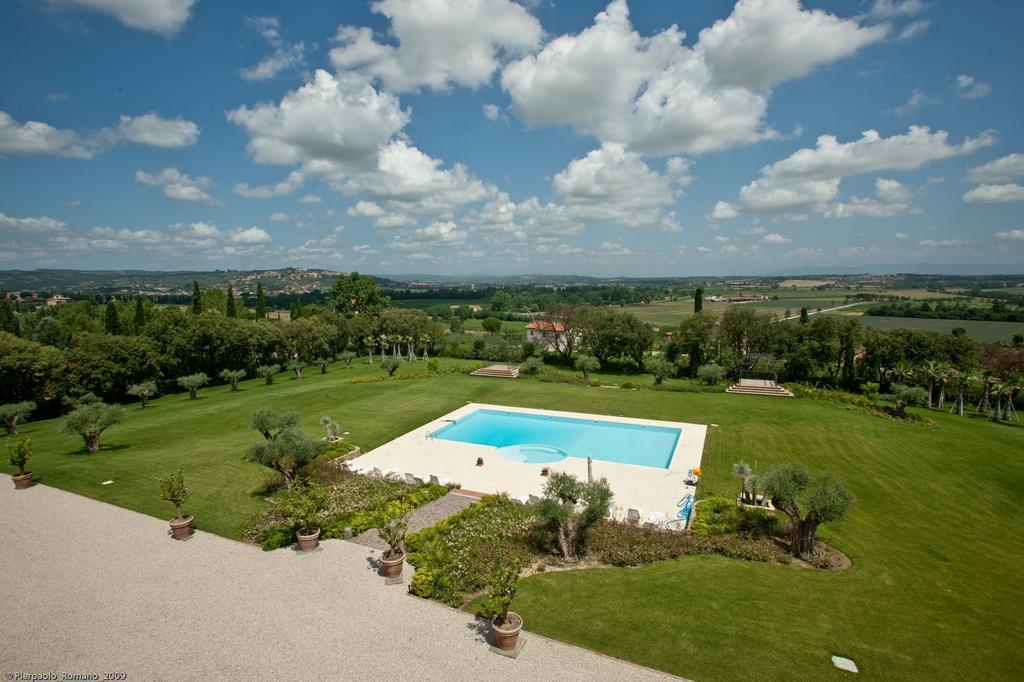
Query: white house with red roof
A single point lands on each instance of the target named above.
(547, 334)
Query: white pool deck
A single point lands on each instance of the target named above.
(644, 488)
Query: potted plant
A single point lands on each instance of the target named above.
(174, 491)
(302, 506)
(506, 625)
(391, 561)
(20, 451)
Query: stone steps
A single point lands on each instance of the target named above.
(499, 371)
(760, 390)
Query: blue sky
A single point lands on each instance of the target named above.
(487, 136)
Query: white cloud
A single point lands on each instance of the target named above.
(893, 198)
(612, 250)
(440, 43)
(942, 243)
(918, 98)
(159, 16)
(914, 28)
(365, 250)
(901, 235)
(279, 217)
(1008, 236)
(723, 211)
(612, 184)
(969, 88)
(409, 180)
(177, 185)
(283, 188)
(994, 194)
(340, 122)
(58, 97)
(659, 96)
(1004, 169)
(776, 238)
(35, 137)
(894, 9)
(153, 130)
(284, 57)
(365, 209)
(310, 199)
(33, 225)
(492, 111)
(250, 235)
(808, 180)
(764, 42)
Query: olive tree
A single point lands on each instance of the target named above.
(807, 499)
(297, 367)
(390, 365)
(271, 424)
(571, 506)
(267, 372)
(711, 374)
(90, 419)
(12, 413)
(323, 364)
(193, 382)
(347, 357)
(143, 391)
(233, 376)
(660, 368)
(587, 364)
(287, 452)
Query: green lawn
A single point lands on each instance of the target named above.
(934, 591)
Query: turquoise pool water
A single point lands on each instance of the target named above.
(650, 446)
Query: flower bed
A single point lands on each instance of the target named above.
(620, 544)
(455, 558)
(352, 501)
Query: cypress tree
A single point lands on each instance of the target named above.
(231, 312)
(197, 298)
(803, 315)
(296, 310)
(112, 322)
(261, 303)
(140, 315)
(698, 300)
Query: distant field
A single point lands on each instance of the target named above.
(424, 303)
(988, 332)
(473, 324)
(667, 313)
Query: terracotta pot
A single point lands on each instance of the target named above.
(181, 529)
(392, 566)
(307, 543)
(507, 635)
(23, 481)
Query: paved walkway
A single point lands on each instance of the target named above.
(421, 517)
(89, 588)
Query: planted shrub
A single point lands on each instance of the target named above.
(271, 423)
(620, 544)
(286, 451)
(302, 505)
(660, 368)
(19, 453)
(143, 391)
(90, 419)
(173, 490)
(331, 427)
(711, 374)
(532, 365)
(504, 583)
(393, 533)
(193, 382)
(233, 376)
(808, 500)
(12, 414)
(267, 372)
(323, 364)
(347, 357)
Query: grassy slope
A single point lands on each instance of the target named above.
(935, 539)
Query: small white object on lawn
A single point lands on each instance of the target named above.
(844, 664)
(106, 483)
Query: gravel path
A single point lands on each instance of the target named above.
(421, 518)
(89, 588)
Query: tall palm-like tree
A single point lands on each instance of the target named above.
(958, 380)
(945, 374)
(998, 388)
(902, 370)
(931, 373)
(986, 378)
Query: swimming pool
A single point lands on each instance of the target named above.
(643, 445)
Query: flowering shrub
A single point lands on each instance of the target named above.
(621, 544)
(459, 553)
(350, 501)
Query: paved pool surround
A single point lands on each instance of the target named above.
(646, 488)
